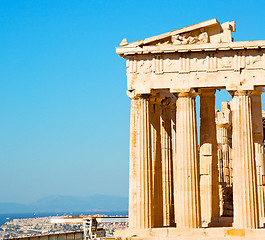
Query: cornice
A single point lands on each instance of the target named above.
(207, 47)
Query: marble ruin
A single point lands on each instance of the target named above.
(224, 154)
(178, 187)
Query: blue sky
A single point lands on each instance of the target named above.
(63, 105)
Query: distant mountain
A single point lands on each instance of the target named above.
(69, 204)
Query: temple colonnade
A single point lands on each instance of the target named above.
(173, 182)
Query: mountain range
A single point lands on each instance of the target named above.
(60, 203)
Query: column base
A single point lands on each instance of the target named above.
(221, 233)
(262, 222)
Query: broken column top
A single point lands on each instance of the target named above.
(224, 117)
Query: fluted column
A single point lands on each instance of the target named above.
(157, 194)
(167, 163)
(173, 141)
(173, 126)
(225, 169)
(140, 164)
(244, 166)
(259, 151)
(223, 157)
(186, 164)
(208, 159)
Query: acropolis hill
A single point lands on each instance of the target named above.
(176, 189)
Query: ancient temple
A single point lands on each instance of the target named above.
(174, 183)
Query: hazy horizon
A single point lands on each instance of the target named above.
(61, 203)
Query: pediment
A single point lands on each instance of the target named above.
(210, 31)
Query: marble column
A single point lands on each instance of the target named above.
(186, 164)
(223, 157)
(173, 142)
(208, 159)
(140, 184)
(259, 151)
(167, 163)
(224, 133)
(157, 194)
(225, 169)
(173, 126)
(245, 196)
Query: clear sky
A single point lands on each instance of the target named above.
(64, 113)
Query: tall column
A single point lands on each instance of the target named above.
(173, 126)
(259, 151)
(223, 135)
(186, 164)
(167, 163)
(157, 194)
(140, 187)
(173, 142)
(208, 159)
(244, 166)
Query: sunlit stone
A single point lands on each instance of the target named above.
(177, 188)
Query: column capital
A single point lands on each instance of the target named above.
(190, 94)
(133, 95)
(223, 125)
(240, 93)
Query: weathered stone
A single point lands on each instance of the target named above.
(173, 191)
(208, 160)
(244, 167)
(186, 164)
(224, 146)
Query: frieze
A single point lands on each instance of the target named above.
(145, 66)
(184, 63)
(212, 62)
(226, 61)
(240, 60)
(254, 59)
(229, 69)
(170, 65)
(131, 65)
(198, 62)
(192, 62)
(159, 64)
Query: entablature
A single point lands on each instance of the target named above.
(199, 56)
(229, 69)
